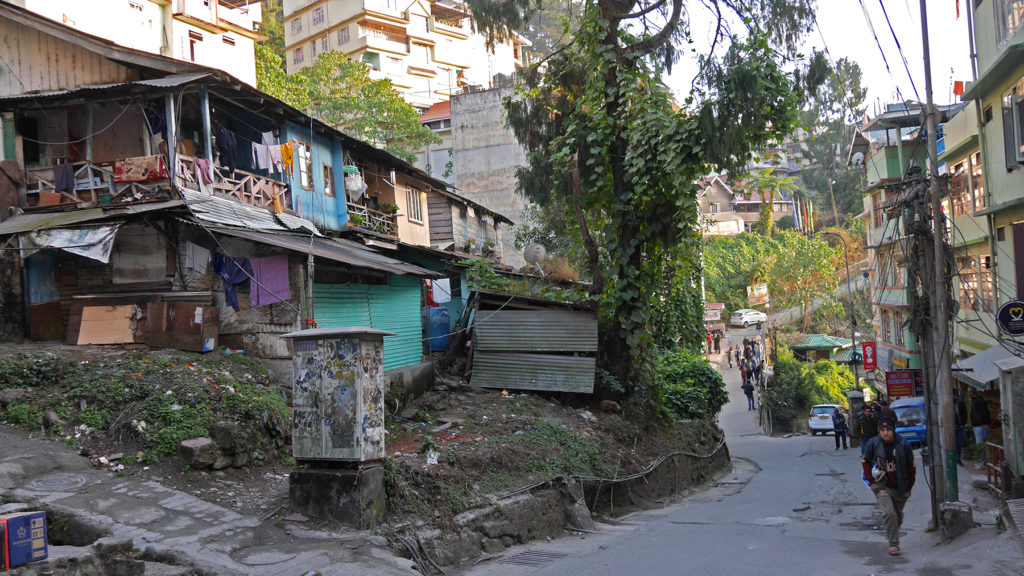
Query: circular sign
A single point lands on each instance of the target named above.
(1010, 318)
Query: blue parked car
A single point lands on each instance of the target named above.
(910, 419)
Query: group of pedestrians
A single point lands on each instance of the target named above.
(748, 358)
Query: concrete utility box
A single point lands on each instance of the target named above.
(338, 394)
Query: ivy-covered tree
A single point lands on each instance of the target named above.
(341, 93)
(604, 138)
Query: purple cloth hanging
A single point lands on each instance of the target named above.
(234, 273)
(271, 274)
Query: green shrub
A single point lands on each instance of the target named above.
(796, 386)
(25, 415)
(94, 418)
(688, 386)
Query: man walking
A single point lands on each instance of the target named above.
(839, 427)
(748, 389)
(868, 428)
(980, 419)
(889, 471)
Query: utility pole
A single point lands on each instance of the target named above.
(835, 213)
(941, 344)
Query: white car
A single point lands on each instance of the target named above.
(820, 419)
(745, 317)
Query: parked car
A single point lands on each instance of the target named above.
(910, 419)
(745, 317)
(820, 419)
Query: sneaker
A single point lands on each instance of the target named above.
(894, 550)
(979, 465)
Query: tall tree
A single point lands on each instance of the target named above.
(341, 93)
(603, 137)
(830, 118)
(769, 186)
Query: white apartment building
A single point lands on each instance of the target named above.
(215, 33)
(427, 49)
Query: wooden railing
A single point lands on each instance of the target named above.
(92, 182)
(373, 220)
(246, 187)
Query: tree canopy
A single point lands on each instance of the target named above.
(341, 93)
(608, 148)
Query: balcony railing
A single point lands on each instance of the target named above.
(246, 187)
(93, 183)
(362, 217)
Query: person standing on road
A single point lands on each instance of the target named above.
(960, 414)
(888, 465)
(980, 419)
(868, 428)
(728, 356)
(839, 427)
(718, 342)
(748, 389)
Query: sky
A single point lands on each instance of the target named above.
(845, 32)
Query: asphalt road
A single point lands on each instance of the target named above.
(789, 506)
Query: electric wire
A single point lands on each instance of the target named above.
(899, 48)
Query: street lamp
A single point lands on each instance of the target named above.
(849, 290)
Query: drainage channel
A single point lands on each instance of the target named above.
(535, 558)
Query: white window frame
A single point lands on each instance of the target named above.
(296, 25)
(318, 15)
(414, 204)
(304, 160)
(343, 36)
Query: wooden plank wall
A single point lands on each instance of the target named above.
(439, 212)
(38, 61)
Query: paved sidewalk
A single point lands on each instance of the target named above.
(212, 539)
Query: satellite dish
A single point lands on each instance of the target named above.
(534, 254)
(857, 159)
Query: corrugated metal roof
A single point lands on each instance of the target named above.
(534, 372)
(844, 356)
(45, 220)
(822, 342)
(231, 213)
(165, 82)
(330, 249)
(535, 331)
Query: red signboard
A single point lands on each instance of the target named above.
(900, 383)
(870, 360)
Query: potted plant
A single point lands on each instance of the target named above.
(356, 220)
(388, 208)
(488, 247)
(470, 245)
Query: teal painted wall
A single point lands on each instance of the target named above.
(394, 307)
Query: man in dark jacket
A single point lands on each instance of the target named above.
(980, 419)
(839, 427)
(889, 470)
(868, 428)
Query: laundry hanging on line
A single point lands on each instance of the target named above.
(234, 273)
(272, 284)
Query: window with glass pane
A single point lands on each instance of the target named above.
(897, 329)
(343, 36)
(414, 205)
(977, 181)
(328, 179)
(886, 326)
(968, 274)
(960, 189)
(304, 159)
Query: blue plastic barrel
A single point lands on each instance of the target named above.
(438, 327)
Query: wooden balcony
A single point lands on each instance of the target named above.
(372, 220)
(94, 183)
(246, 187)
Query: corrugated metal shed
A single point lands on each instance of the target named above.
(394, 307)
(535, 331)
(45, 220)
(822, 342)
(548, 349)
(347, 252)
(230, 213)
(534, 372)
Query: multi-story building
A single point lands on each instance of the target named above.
(427, 49)
(890, 147)
(992, 280)
(219, 34)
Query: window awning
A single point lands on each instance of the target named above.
(980, 370)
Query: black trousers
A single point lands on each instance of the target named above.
(840, 434)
